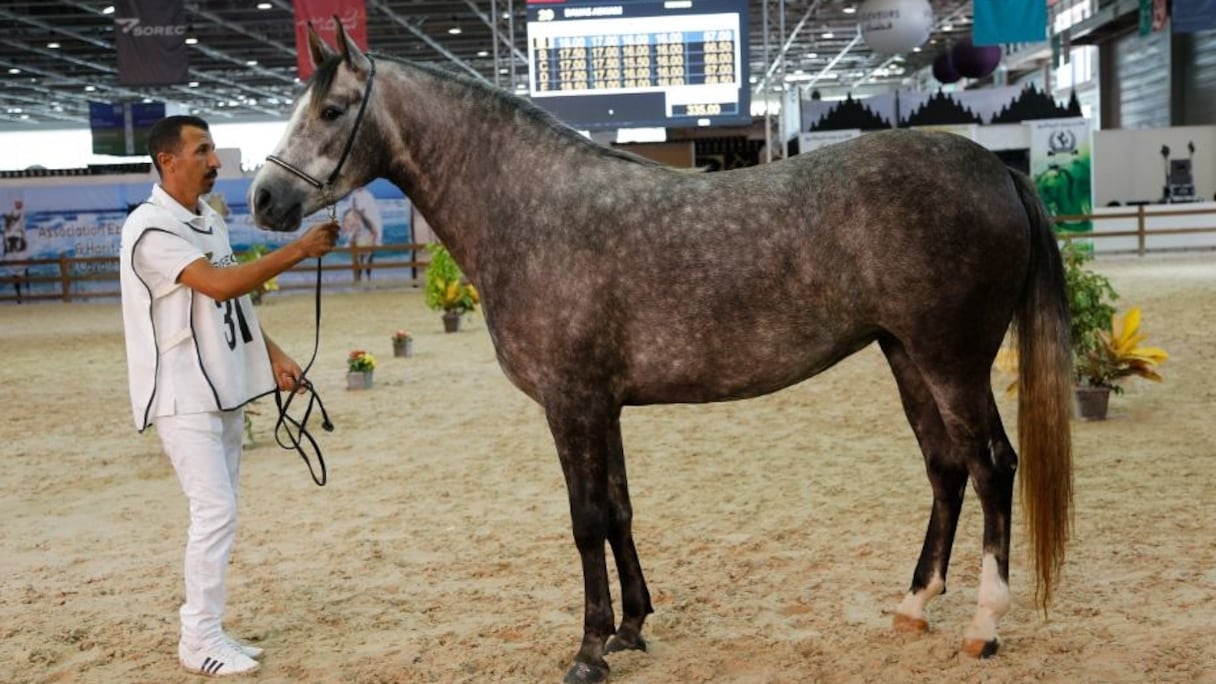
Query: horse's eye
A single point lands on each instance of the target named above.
(331, 113)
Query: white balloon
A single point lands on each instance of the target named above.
(895, 26)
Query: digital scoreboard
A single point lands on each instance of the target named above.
(639, 63)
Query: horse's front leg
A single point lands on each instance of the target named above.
(580, 430)
(635, 597)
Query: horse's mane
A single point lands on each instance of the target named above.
(496, 98)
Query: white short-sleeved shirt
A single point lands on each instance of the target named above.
(186, 352)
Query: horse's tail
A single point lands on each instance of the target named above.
(1042, 326)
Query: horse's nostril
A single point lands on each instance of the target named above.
(261, 201)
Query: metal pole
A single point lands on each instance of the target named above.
(768, 151)
(511, 37)
(494, 39)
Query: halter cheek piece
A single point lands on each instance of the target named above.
(289, 432)
(327, 186)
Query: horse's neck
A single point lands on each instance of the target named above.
(455, 147)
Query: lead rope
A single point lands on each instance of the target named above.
(285, 423)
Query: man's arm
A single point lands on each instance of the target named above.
(225, 283)
(286, 371)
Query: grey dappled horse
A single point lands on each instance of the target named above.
(611, 281)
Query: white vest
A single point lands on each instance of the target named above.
(232, 361)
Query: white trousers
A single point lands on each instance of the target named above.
(205, 449)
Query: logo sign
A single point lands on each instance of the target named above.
(133, 26)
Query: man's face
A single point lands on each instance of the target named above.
(195, 165)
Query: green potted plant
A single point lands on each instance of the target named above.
(1104, 348)
(360, 366)
(447, 289)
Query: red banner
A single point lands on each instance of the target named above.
(352, 14)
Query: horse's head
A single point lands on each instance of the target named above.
(327, 149)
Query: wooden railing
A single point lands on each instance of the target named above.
(25, 280)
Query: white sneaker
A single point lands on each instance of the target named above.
(250, 650)
(222, 660)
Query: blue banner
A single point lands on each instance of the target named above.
(1194, 15)
(1009, 21)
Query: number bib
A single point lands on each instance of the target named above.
(232, 362)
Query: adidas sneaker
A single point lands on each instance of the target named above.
(221, 660)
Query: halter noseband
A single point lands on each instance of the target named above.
(324, 187)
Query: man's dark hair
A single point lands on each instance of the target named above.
(166, 135)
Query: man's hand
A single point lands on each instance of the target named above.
(319, 239)
(287, 373)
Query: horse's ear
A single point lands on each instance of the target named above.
(350, 52)
(317, 49)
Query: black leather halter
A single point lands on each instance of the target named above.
(289, 432)
(326, 186)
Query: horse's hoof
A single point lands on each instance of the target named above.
(582, 673)
(977, 648)
(911, 625)
(620, 643)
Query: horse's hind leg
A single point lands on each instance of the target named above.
(635, 597)
(961, 435)
(992, 473)
(581, 428)
(948, 479)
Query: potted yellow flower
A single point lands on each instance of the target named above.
(360, 366)
(1115, 354)
(447, 289)
(403, 343)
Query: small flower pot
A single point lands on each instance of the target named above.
(451, 321)
(359, 380)
(403, 347)
(1092, 402)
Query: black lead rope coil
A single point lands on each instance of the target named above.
(286, 424)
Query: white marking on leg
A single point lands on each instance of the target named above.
(992, 602)
(913, 605)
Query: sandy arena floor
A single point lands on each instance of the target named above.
(778, 534)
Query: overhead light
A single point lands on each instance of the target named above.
(233, 103)
(947, 27)
(14, 70)
(25, 116)
(251, 62)
(264, 5)
(147, 100)
(192, 41)
(14, 110)
(521, 87)
(53, 46)
(828, 35)
(89, 88)
(503, 71)
(850, 9)
(455, 31)
(916, 49)
(193, 84)
(483, 53)
(812, 55)
(109, 9)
